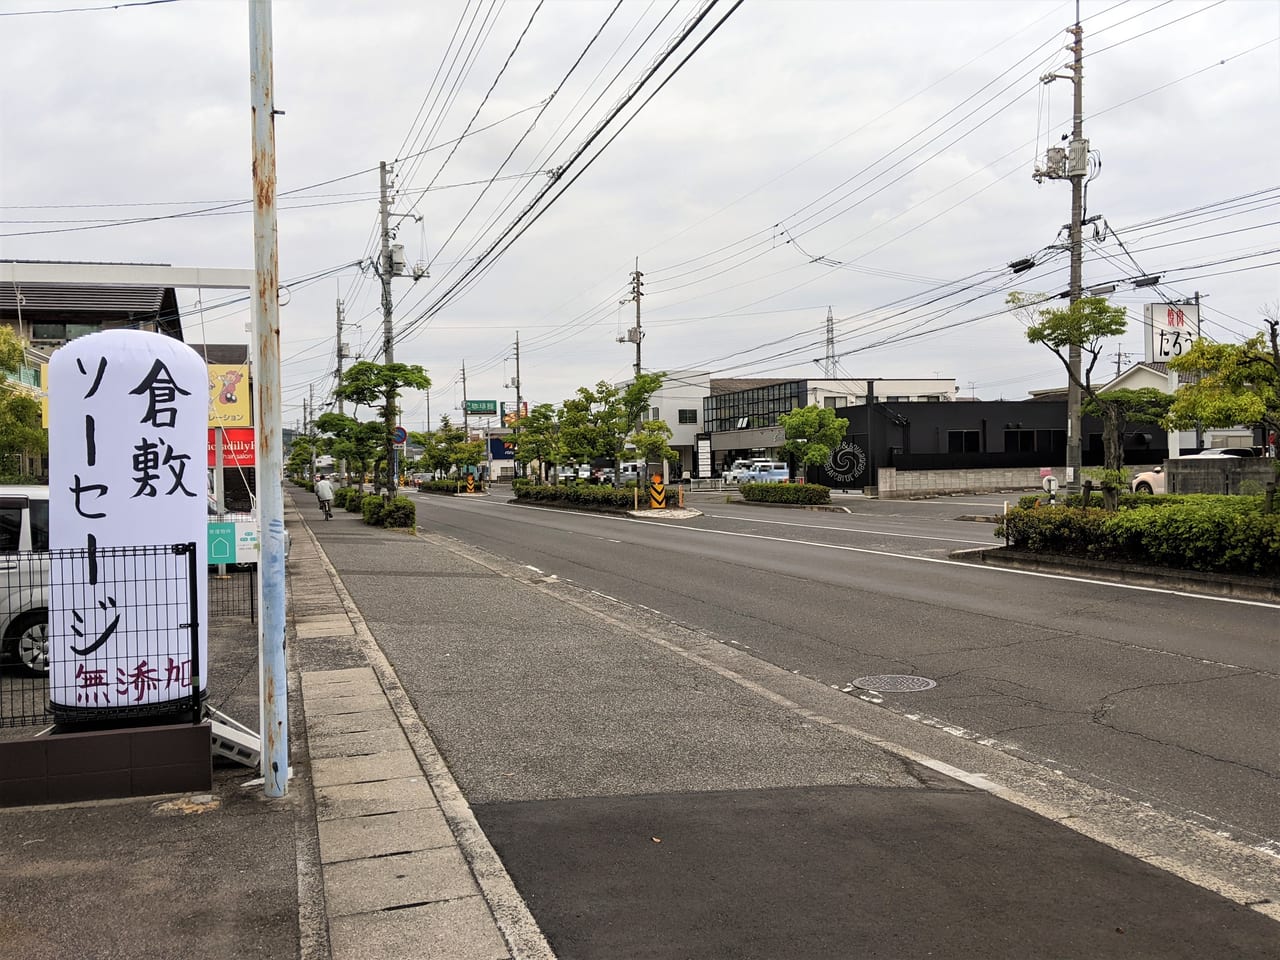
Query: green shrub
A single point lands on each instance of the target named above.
(372, 508)
(341, 496)
(400, 512)
(802, 493)
(355, 501)
(1226, 535)
(588, 496)
(439, 486)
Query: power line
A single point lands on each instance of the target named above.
(524, 220)
(112, 6)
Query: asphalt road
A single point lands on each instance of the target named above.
(1165, 698)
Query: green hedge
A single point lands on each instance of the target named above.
(1131, 501)
(576, 494)
(440, 486)
(804, 493)
(400, 512)
(371, 508)
(341, 496)
(355, 501)
(1211, 537)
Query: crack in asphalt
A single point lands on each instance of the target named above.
(1107, 703)
(1270, 775)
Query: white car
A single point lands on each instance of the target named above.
(767, 471)
(24, 577)
(1153, 481)
(738, 472)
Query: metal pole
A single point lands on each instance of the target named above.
(193, 600)
(515, 426)
(1074, 459)
(342, 465)
(311, 426)
(273, 689)
(466, 431)
(219, 485)
(639, 335)
(388, 330)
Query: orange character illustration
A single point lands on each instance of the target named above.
(229, 381)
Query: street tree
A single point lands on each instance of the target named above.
(299, 456)
(1088, 324)
(1118, 409)
(21, 434)
(811, 434)
(437, 444)
(359, 442)
(376, 385)
(653, 442)
(1237, 384)
(539, 438)
(600, 422)
(586, 425)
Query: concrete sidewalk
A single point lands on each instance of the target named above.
(406, 871)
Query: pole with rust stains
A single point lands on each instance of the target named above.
(272, 683)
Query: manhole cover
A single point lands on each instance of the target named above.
(894, 683)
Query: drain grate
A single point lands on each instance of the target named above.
(895, 683)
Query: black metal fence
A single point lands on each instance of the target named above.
(234, 594)
(128, 619)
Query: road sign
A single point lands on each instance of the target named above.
(400, 435)
(482, 407)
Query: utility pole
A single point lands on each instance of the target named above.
(1077, 170)
(388, 330)
(466, 431)
(515, 424)
(342, 353)
(831, 346)
(635, 334)
(311, 426)
(273, 687)
(1072, 164)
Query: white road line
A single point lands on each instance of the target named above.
(976, 568)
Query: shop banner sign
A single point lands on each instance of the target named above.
(127, 413)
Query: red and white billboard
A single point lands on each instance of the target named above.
(239, 448)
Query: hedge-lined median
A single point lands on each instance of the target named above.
(588, 496)
(1229, 535)
(442, 486)
(808, 494)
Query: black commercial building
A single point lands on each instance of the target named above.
(970, 435)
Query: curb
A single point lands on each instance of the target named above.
(1190, 581)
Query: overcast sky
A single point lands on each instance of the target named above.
(871, 157)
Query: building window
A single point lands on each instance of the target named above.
(653, 413)
(962, 441)
(831, 403)
(688, 416)
(1020, 441)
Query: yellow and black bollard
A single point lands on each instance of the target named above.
(471, 483)
(657, 493)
